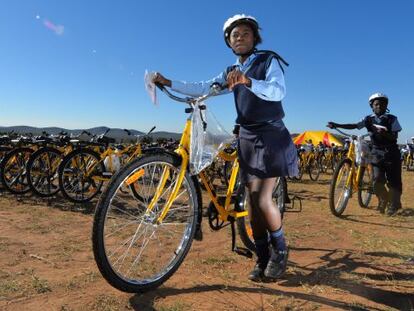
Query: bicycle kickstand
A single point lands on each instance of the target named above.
(238, 250)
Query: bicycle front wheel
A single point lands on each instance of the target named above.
(81, 175)
(340, 192)
(365, 186)
(134, 250)
(42, 172)
(4, 150)
(13, 170)
(314, 170)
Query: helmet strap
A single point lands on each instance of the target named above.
(245, 54)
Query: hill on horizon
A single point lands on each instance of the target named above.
(117, 133)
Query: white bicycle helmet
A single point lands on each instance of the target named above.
(241, 19)
(377, 96)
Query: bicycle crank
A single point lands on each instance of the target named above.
(213, 216)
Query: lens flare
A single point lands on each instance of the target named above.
(57, 29)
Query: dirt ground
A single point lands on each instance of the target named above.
(358, 262)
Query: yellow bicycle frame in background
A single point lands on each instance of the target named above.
(109, 152)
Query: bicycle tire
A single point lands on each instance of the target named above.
(410, 164)
(14, 175)
(342, 170)
(37, 161)
(72, 183)
(314, 170)
(300, 170)
(114, 204)
(4, 150)
(243, 223)
(365, 188)
(322, 164)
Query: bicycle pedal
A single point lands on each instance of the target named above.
(243, 252)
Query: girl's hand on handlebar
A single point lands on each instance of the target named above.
(331, 125)
(160, 79)
(236, 77)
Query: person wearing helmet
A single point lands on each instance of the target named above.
(265, 147)
(411, 146)
(383, 129)
(308, 145)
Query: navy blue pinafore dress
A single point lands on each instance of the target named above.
(265, 147)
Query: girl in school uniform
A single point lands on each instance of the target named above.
(265, 147)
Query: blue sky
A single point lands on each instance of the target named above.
(80, 64)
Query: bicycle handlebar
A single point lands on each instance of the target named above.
(215, 89)
(354, 137)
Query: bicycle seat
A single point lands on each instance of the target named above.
(120, 147)
(4, 140)
(43, 139)
(105, 140)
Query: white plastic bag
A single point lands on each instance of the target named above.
(150, 86)
(112, 163)
(362, 152)
(207, 138)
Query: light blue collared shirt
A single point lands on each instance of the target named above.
(272, 88)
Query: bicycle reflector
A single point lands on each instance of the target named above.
(134, 177)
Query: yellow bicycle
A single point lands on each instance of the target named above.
(408, 161)
(139, 243)
(83, 171)
(308, 163)
(353, 174)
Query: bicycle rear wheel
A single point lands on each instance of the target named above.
(365, 186)
(133, 252)
(243, 223)
(340, 192)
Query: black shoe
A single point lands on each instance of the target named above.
(257, 274)
(382, 205)
(392, 210)
(276, 267)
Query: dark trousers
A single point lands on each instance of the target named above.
(387, 171)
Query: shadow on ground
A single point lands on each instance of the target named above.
(331, 266)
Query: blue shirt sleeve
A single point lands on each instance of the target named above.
(198, 88)
(395, 126)
(273, 87)
(361, 124)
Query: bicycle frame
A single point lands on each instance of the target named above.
(183, 152)
(109, 152)
(353, 177)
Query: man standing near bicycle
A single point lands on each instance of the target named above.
(265, 147)
(383, 129)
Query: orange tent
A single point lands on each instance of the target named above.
(317, 136)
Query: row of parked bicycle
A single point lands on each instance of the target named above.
(317, 160)
(79, 166)
(76, 166)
